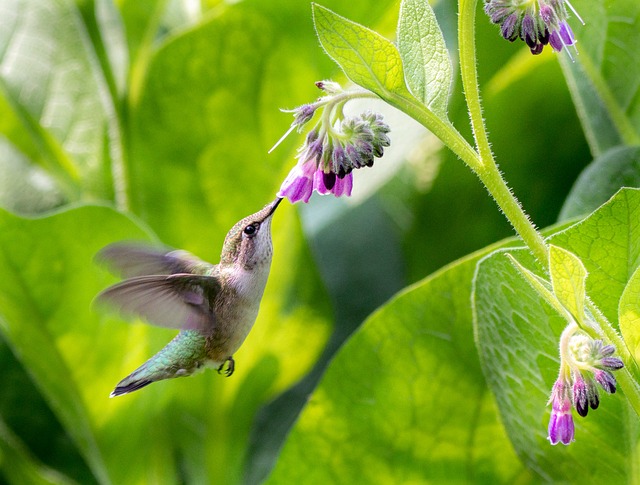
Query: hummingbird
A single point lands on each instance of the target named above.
(213, 306)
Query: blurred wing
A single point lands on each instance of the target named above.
(129, 260)
(180, 301)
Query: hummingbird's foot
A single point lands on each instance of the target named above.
(230, 367)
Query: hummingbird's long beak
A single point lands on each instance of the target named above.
(274, 206)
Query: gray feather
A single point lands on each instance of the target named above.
(131, 259)
(181, 301)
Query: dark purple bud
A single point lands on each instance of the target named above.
(536, 49)
(543, 37)
(340, 164)
(606, 380)
(581, 396)
(329, 87)
(594, 398)
(528, 32)
(612, 363)
(329, 180)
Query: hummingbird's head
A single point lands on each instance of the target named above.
(248, 243)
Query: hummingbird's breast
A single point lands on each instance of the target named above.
(236, 309)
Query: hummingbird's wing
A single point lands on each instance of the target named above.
(130, 259)
(182, 301)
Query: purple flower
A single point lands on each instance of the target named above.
(330, 154)
(561, 429)
(536, 22)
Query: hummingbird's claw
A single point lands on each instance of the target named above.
(230, 367)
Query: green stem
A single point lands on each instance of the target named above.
(468, 72)
(488, 171)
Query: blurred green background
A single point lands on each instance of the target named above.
(152, 120)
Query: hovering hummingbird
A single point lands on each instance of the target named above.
(214, 306)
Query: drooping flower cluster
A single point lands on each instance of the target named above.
(585, 364)
(333, 148)
(536, 22)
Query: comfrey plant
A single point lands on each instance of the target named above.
(334, 147)
(414, 76)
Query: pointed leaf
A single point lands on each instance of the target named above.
(568, 277)
(367, 58)
(542, 288)
(424, 55)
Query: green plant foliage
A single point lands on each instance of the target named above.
(151, 120)
(518, 335)
(617, 167)
(366, 57)
(424, 406)
(603, 78)
(424, 55)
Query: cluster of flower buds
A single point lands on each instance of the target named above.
(536, 22)
(333, 148)
(585, 365)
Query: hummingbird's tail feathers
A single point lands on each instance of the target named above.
(183, 356)
(130, 387)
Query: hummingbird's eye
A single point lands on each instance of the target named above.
(251, 229)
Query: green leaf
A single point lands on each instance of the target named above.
(56, 96)
(404, 400)
(608, 244)
(542, 287)
(517, 335)
(615, 168)
(568, 277)
(366, 57)
(603, 77)
(45, 296)
(629, 315)
(424, 55)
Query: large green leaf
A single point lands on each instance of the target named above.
(603, 78)
(45, 296)
(404, 400)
